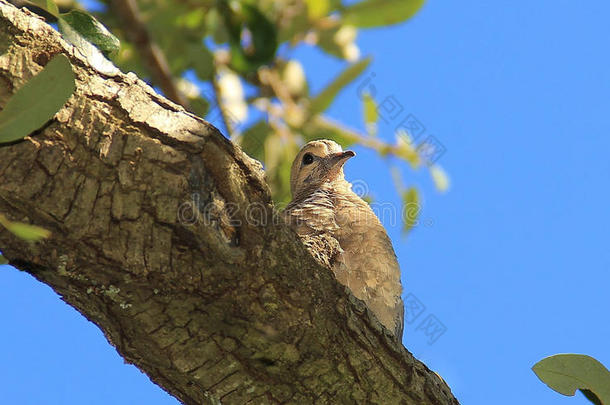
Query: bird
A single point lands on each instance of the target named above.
(342, 232)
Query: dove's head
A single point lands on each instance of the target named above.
(316, 163)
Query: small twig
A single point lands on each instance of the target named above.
(272, 78)
(156, 62)
(370, 142)
(226, 120)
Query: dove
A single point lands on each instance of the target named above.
(342, 232)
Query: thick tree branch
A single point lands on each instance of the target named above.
(164, 236)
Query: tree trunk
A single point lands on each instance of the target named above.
(164, 235)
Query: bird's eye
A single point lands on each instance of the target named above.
(307, 159)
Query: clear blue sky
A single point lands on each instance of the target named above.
(513, 260)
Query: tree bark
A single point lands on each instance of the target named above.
(165, 236)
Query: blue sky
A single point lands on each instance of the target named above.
(513, 260)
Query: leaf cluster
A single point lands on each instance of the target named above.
(231, 60)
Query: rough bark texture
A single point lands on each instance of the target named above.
(163, 236)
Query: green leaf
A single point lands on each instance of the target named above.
(3, 260)
(86, 26)
(263, 36)
(411, 208)
(317, 9)
(377, 13)
(326, 42)
(128, 60)
(38, 100)
(28, 232)
(370, 113)
(215, 26)
(24, 231)
(192, 19)
(279, 154)
(48, 5)
(565, 373)
(94, 56)
(253, 139)
(325, 98)
(202, 62)
(441, 181)
(199, 106)
(293, 28)
(322, 129)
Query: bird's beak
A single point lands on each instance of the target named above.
(337, 160)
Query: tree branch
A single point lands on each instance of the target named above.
(164, 235)
(224, 114)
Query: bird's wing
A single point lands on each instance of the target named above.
(372, 270)
(342, 232)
